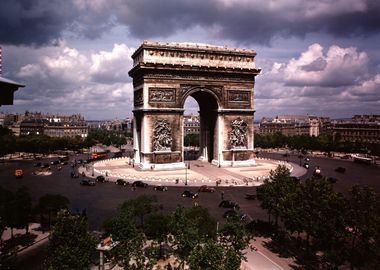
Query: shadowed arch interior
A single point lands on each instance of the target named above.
(208, 112)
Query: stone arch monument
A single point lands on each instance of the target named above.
(220, 79)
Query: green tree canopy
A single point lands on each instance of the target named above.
(71, 244)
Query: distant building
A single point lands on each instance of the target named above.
(125, 125)
(361, 128)
(191, 124)
(50, 125)
(292, 125)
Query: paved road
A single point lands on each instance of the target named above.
(101, 201)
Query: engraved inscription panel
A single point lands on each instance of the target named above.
(161, 95)
(241, 97)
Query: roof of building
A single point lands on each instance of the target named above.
(8, 81)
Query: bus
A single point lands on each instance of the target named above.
(98, 155)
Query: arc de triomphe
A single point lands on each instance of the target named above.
(220, 79)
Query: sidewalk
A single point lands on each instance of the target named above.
(33, 230)
(200, 173)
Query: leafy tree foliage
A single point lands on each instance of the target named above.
(324, 142)
(363, 221)
(49, 205)
(71, 245)
(191, 140)
(18, 209)
(141, 206)
(129, 253)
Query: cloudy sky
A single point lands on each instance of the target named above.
(319, 57)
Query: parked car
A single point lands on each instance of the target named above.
(229, 204)
(121, 182)
(101, 179)
(206, 189)
(189, 194)
(161, 188)
(139, 184)
(87, 182)
(45, 165)
(54, 162)
(340, 170)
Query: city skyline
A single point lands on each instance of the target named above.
(318, 58)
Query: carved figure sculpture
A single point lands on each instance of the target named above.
(162, 137)
(238, 134)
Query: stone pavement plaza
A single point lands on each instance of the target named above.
(199, 173)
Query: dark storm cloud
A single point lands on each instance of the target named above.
(249, 21)
(34, 22)
(41, 22)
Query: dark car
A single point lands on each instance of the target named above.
(189, 194)
(45, 165)
(139, 184)
(250, 196)
(228, 204)
(340, 170)
(332, 180)
(121, 182)
(88, 182)
(161, 188)
(206, 189)
(54, 162)
(38, 164)
(101, 179)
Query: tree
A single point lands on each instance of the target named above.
(71, 244)
(141, 206)
(276, 193)
(19, 209)
(50, 204)
(210, 255)
(129, 253)
(363, 222)
(158, 228)
(234, 238)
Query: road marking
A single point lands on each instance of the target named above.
(275, 264)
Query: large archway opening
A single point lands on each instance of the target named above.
(201, 111)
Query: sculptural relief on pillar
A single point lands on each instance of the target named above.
(162, 137)
(238, 134)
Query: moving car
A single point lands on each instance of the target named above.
(87, 182)
(250, 196)
(121, 182)
(229, 204)
(206, 189)
(317, 172)
(306, 165)
(161, 188)
(340, 170)
(189, 194)
(139, 184)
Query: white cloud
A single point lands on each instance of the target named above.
(319, 82)
(340, 66)
(66, 79)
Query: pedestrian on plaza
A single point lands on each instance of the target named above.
(222, 195)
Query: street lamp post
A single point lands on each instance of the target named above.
(185, 174)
